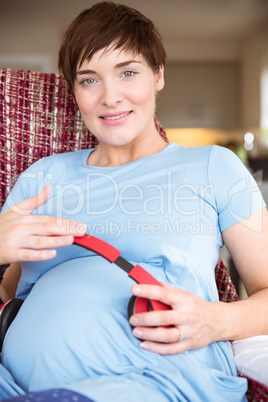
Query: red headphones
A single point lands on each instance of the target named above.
(8, 312)
(9, 309)
(136, 304)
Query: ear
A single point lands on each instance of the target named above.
(160, 81)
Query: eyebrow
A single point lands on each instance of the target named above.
(119, 65)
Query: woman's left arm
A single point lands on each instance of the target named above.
(247, 243)
(194, 322)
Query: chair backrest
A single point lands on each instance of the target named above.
(37, 118)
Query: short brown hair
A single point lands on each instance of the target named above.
(104, 23)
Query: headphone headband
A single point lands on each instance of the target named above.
(110, 253)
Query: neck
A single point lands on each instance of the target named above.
(107, 155)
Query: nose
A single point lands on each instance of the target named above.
(111, 94)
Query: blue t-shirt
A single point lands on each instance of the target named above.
(165, 212)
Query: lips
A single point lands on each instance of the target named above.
(114, 116)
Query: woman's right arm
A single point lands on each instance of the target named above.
(9, 284)
(26, 237)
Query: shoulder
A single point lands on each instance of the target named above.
(206, 159)
(219, 153)
(189, 154)
(200, 154)
(226, 167)
(49, 170)
(62, 158)
(195, 160)
(55, 164)
(211, 154)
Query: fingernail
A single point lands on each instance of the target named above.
(51, 253)
(133, 321)
(136, 289)
(80, 227)
(67, 239)
(137, 332)
(145, 346)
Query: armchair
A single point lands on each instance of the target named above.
(37, 118)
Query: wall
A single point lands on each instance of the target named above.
(251, 61)
(30, 35)
(264, 88)
(200, 95)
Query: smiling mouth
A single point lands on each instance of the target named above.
(119, 116)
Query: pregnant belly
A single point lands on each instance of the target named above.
(72, 325)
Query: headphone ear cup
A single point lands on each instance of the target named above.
(138, 305)
(131, 307)
(7, 314)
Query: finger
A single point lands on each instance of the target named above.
(167, 295)
(159, 334)
(46, 225)
(45, 242)
(31, 255)
(27, 206)
(27, 252)
(167, 348)
(49, 236)
(156, 318)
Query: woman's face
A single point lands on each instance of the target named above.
(115, 92)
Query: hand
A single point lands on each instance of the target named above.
(25, 237)
(190, 321)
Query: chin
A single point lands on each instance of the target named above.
(119, 142)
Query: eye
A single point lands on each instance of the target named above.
(88, 81)
(128, 74)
